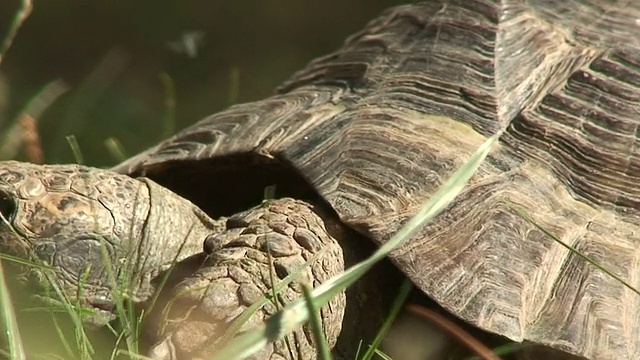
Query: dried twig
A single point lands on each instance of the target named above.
(24, 131)
(454, 331)
(31, 139)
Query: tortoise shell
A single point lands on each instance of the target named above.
(376, 127)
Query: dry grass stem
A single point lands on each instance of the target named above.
(454, 331)
(31, 139)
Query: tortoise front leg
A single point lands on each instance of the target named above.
(261, 246)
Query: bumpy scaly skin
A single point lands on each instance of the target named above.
(70, 217)
(236, 274)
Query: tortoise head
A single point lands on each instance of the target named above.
(81, 222)
(88, 229)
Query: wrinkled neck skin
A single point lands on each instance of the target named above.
(95, 228)
(174, 229)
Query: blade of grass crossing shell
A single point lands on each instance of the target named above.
(445, 194)
(274, 294)
(316, 324)
(295, 314)
(9, 324)
(398, 302)
(578, 253)
(237, 323)
(272, 277)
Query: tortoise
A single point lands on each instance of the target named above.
(355, 143)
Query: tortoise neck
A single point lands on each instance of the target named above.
(175, 229)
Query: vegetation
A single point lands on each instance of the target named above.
(23, 139)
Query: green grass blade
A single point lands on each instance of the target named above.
(400, 299)
(236, 325)
(234, 86)
(81, 337)
(169, 271)
(62, 337)
(269, 193)
(272, 279)
(21, 15)
(316, 324)
(578, 253)
(382, 355)
(115, 148)
(506, 350)
(24, 262)
(9, 324)
(169, 116)
(75, 312)
(75, 149)
(83, 99)
(84, 346)
(119, 286)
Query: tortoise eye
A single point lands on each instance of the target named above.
(7, 207)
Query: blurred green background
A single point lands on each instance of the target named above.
(116, 64)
